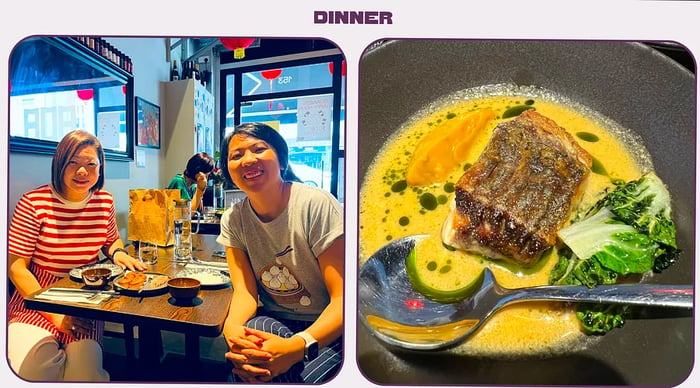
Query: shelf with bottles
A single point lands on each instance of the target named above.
(104, 49)
(191, 70)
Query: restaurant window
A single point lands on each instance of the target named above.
(305, 101)
(57, 85)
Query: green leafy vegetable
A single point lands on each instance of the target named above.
(613, 244)
(600, 319)
(629, 231)
(646, 205)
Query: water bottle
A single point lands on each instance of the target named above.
(182, 230)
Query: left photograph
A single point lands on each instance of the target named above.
(175, 209)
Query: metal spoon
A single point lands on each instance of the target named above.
(400, 316)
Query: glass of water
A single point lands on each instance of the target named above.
(148, 252)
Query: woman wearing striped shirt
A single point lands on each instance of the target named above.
(55, 228)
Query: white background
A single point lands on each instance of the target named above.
(494, 19)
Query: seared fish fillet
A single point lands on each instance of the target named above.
(522, 189)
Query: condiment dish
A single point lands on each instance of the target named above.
(184, 289)
(96, 277)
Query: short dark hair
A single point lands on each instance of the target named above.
(66, 149)
(267, 134)
(199, 162)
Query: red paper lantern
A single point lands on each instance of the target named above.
(271, 74)
(85, 94)
(238, 45)
(343, 68)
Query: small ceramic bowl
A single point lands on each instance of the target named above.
(96, 277)
(184, 289)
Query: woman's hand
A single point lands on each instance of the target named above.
(202, 179)
(246, 356)
(125, 260)
(69, 324)
(280, 353)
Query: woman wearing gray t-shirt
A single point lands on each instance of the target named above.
(285, 251)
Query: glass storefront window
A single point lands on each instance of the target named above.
(299, 102)
(287, 79)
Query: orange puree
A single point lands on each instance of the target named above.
(445, 147)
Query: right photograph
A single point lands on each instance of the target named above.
(526, 212)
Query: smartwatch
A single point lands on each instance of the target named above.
(311, 348)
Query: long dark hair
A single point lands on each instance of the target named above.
(66, 149)
(267, 134)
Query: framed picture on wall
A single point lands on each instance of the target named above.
(147, 124)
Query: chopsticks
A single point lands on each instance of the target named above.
(76, 295)
(79, 291)
(213, 264)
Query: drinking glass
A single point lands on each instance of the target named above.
(209, 214)
(148, 252)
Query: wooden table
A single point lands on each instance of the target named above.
(205, 317)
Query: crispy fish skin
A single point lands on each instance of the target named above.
(522, 189)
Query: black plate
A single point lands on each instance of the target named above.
(630, 83)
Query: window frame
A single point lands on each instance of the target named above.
(335, 89)
(75, 50)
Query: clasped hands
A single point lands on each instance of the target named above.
(258, 356)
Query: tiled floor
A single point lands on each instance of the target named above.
(174, 367)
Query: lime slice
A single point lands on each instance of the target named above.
(436, 294)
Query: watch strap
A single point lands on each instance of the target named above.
(117, 251)
(311, 347)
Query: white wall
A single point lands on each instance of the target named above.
(27, 171)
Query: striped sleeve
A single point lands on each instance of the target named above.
(24, 226)
(112, 229)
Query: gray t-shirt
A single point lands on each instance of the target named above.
(284, 252)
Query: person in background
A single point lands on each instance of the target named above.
(193, 181)
(285, 249)
(55, 228)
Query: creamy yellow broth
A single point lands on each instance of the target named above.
(387, 213)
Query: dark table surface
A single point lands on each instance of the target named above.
(204, 316)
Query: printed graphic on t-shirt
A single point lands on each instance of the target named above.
(281, 284)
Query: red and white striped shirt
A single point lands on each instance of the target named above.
(58, 235)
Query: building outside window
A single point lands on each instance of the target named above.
(302, 98)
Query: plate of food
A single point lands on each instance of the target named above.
(493, 134)
(208, 277)
(141, 283)
(75, 273)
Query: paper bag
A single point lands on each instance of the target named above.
(151, 213)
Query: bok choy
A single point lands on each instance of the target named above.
(628, 231)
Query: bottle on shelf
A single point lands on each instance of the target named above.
(206, 74)
(185, 70)
(195, 71)
(174, 74)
